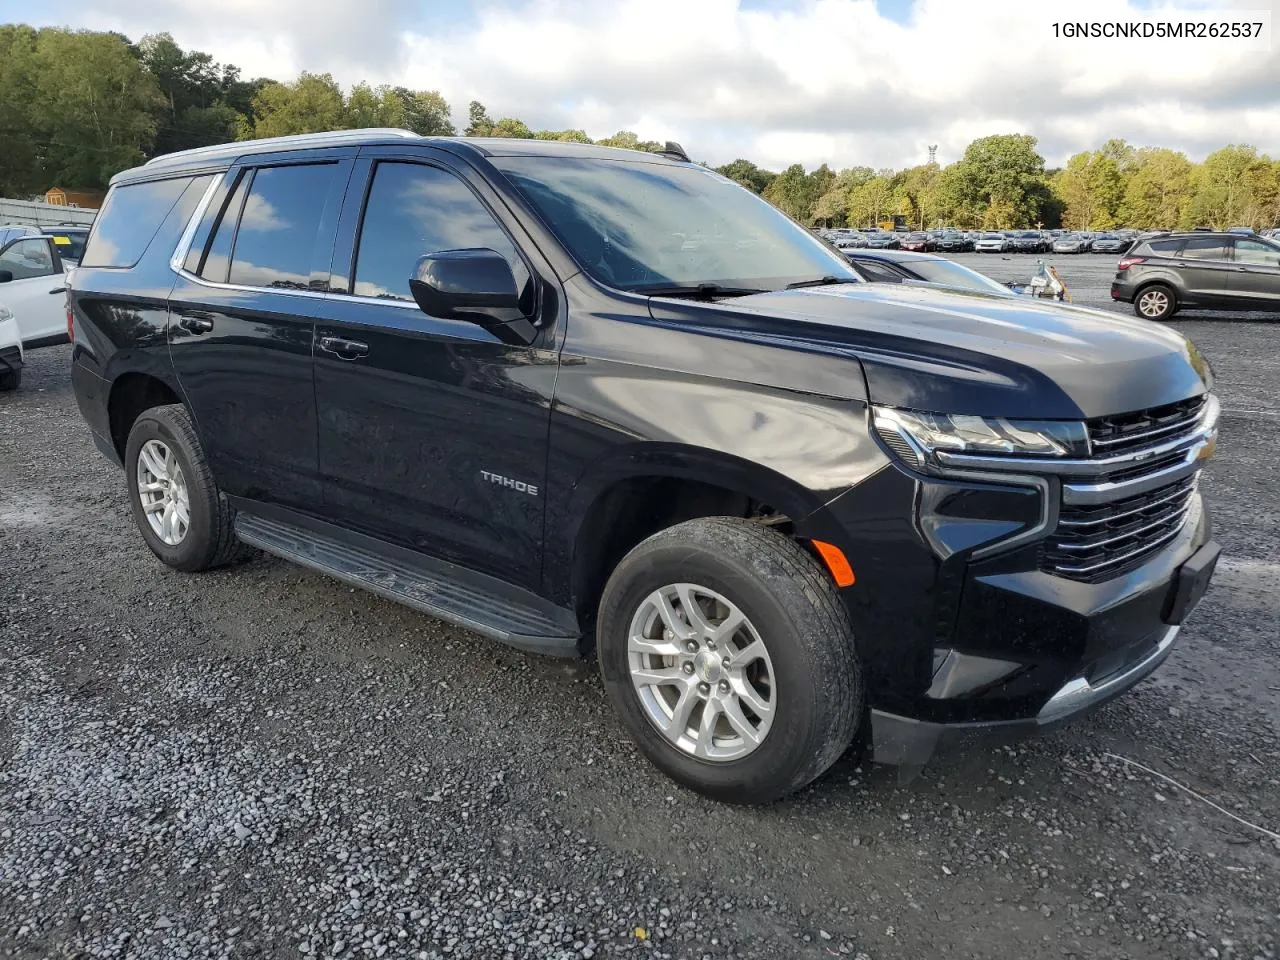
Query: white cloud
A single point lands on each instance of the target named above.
(823, 81)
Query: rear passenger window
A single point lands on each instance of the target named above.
(1204, 248)
(218, 259)
(1163, 246)
(276, 239)
(129, 220)
(415, 210)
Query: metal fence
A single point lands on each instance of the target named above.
(43, 214)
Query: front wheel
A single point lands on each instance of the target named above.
(11, 379)
(727, 652)
(1156, 302)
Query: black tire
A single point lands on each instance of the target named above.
(1150, 296)
(797, 613)
(10, 380)
(210, 540)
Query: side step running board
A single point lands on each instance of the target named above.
(433, 587)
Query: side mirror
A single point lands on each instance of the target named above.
(475, 285)
(6, 276)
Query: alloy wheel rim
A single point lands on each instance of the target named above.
(1153, 303)
(702, 672)
(162, 490)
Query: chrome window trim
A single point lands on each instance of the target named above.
(189, 232)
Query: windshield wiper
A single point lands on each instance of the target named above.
(698, 291)
(820, 282)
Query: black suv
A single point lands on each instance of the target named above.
(1215, 271)
(584, 399)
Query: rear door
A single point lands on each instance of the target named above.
(1203, 265)
(37, 292)
(1255, 276)
(242, 321)
(433, 432)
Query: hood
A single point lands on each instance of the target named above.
(957, 351)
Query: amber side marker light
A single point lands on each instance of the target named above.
(837, 563)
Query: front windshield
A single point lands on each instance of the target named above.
(954, 275)
(639, 225)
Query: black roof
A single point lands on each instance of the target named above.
(224, 154)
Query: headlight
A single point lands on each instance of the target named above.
(918, 437)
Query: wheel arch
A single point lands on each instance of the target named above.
(631, 497)
(131, 394)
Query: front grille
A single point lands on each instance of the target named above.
(1133, 431)
(1097, 543)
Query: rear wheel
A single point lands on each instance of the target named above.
(183, 517)
(1156, 302)
(727, 652)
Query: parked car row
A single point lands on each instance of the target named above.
(984, 241)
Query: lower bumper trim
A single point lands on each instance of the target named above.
(904, 741)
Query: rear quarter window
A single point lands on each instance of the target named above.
(130, 218)
(1161, 246)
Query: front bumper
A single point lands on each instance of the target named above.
(906, 741)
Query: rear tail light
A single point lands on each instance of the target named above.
(1128, 262)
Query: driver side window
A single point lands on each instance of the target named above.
(415, 210)
(1251, 251)
(31, 257)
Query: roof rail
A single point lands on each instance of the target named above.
(284, 143)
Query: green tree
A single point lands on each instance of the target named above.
(478, 122)
(627, 140)
(425, 112)
(90, 106)
(870, 202)
(1158, 189)
(832, 207)
(367, 106)
(1092, 188)
(565, 136)
(310, 104)
(511, 127)
(1001, 178)
(1231, 188)
(791, 191)
(748, 174)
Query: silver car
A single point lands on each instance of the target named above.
(991, 243)
(1070, 243)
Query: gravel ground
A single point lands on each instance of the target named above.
(260, 762)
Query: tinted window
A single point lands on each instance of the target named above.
(954, 275)
(276, 238)
(1204, 248)
(218, 259)
(1163, 246)
(129, 220)
(413, 211)
(1251, 251)
(28, 258)
(70, 245)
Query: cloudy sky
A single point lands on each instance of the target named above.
(778, 81)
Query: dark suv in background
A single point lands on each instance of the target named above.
(1214, 271)
(583, 399)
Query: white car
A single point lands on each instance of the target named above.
(33, 284)
(991, 243)
(11, 355)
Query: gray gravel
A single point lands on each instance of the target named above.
(260, 762)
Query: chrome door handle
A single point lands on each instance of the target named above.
(345, 349)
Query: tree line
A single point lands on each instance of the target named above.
(78, 106)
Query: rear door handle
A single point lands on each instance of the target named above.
(196, 324)
(344, 349)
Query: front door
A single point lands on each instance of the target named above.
(1255, 277)
(433, 432)
(37, 294)
(241, 326)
